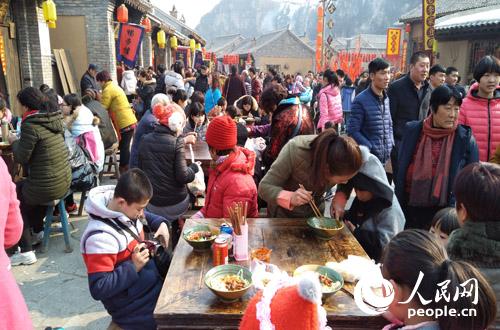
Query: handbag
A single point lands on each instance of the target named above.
(162, 257)
(197, 187)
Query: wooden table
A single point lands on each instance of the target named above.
(186, 303)
(201, 154)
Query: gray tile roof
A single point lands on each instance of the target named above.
(251, 45)
(445, 7)
(479, 17)
(219, 43)
(144, 6)
(238, 45)
(368, 42)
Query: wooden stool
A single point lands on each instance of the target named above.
(112, 160)
(82, 203)
(47, 228)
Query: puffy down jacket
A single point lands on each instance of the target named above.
(483, 116)
(230, 182)
(330, 106)
(370, 124)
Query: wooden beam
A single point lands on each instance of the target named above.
(60, 71)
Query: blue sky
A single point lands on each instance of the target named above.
(193, 10)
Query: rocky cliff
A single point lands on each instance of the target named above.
(254, 17)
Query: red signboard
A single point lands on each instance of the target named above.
(129, 43)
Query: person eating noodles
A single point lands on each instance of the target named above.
(307, 167)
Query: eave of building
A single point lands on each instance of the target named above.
(180, 27)
(464, 33)
(143, 6)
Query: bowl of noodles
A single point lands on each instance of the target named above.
(330, 280)
(229, 282)
(325, 228)
(200, 237)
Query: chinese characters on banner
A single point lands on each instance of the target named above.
(393, 42)
(429, 15)
(198, 59)
(129, 43)
(329, 52)
(319, 38)
(183, 54)
(403, 57)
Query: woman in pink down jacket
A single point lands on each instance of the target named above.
(330, 103)
(481, 108)
(13, 311)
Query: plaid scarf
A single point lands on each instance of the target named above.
(428, 188)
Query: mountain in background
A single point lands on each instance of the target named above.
(255, 17)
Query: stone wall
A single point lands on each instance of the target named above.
(147, 49)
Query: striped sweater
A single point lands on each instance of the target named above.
(128, 296)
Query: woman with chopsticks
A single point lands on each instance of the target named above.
(307, 167)
(197, 121)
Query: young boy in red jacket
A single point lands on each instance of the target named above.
(231, 180)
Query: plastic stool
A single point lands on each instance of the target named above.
(47, 228)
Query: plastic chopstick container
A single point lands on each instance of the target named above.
(240, 244)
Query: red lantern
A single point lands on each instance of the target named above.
(146, 23)
(122, 14)
(408, 28)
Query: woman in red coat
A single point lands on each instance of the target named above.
(231, 180)
(13, 311)
(481, 108)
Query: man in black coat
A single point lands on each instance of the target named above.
(160, 79)
(452, 78)
(405, 97)
(88, 79)
(201, 83)
(91, 100)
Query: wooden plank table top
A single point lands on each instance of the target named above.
(201, 154)
(186, 303)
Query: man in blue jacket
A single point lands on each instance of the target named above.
(370, 122)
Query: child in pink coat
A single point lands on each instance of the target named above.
(330, 102)
(13, 311)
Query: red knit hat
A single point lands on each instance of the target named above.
(221, 133)
(286, 308)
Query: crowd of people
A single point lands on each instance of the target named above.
(407, 160)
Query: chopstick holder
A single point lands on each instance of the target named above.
(240, 244)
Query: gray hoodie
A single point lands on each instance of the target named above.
(380, 219)
(173, 80)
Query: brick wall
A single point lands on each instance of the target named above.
(33, 43)
(100, 30)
